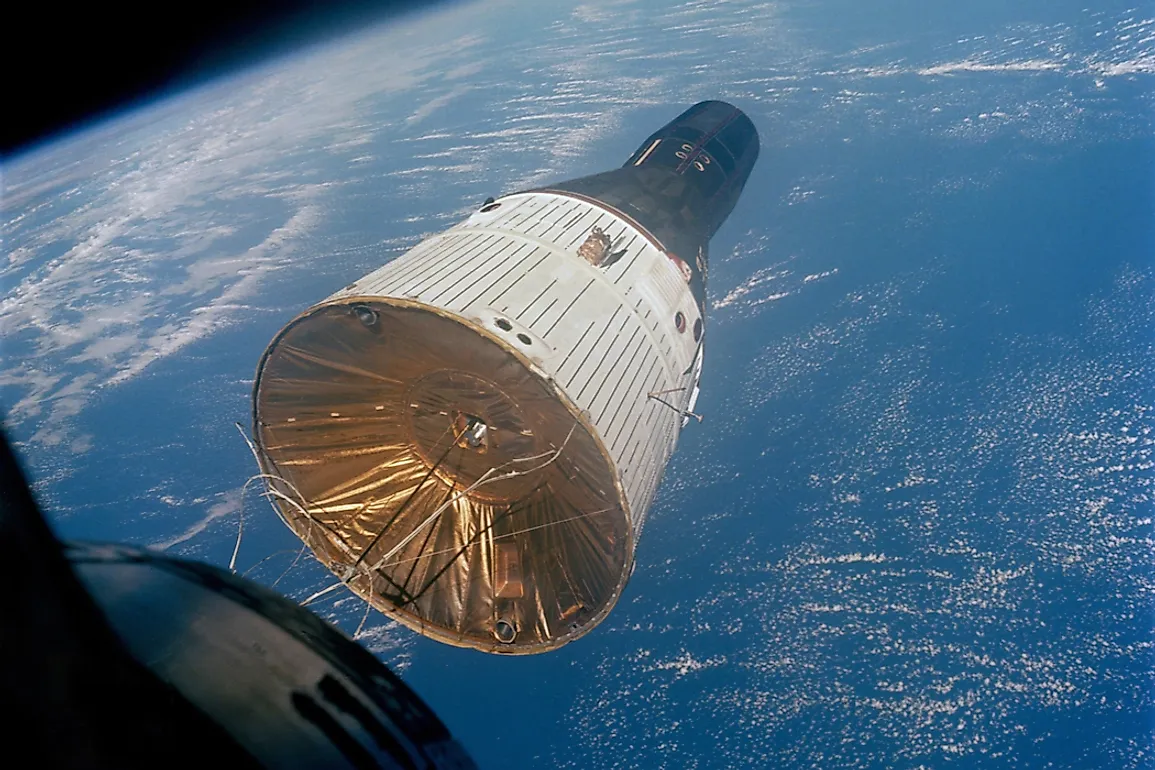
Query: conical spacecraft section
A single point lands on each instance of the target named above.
(470, 437)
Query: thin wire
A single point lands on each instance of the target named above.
(461, 551)
(262, 561)
(507, 514)
(409, 538)
(271, 492)
(335, 586)
(240, 531)
(534, 528)
(683, 412)
(352, 570)
(485, 479)
(409, 499)
(323, 591)
(433, 530)
(364, 617)
(269, 476)
(300, 553)
(244, 489)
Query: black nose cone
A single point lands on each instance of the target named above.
(712, 147)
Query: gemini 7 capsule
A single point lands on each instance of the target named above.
(470, 436)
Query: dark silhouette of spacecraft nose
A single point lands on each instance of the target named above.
(118, 657)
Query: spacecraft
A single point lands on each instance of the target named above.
(470, 437)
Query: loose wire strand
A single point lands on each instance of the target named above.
(556, 453)
(485, 479)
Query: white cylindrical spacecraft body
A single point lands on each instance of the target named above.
(471, 436)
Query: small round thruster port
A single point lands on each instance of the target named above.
(697, 330)
(503, 324)
(680, 322)
(504, 631)
(524, 339)
(366, 315)
(490, 206)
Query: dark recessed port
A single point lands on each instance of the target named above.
(503, 324)
(490, 207)
(366, 315)
(680, 321)
(697, 330)
(505, 631)
(525, 340)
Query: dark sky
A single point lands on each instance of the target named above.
(66, 63)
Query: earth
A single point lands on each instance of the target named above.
(915, 527)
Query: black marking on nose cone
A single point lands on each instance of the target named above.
(336, 693)
(315, 713)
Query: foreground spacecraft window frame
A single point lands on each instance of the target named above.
(578, 577)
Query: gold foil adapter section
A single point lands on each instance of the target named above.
(449, 483)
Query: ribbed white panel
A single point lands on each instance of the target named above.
(606, 335)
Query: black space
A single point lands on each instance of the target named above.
(69, 63)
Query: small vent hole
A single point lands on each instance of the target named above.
(504, 631)
(366, 315)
